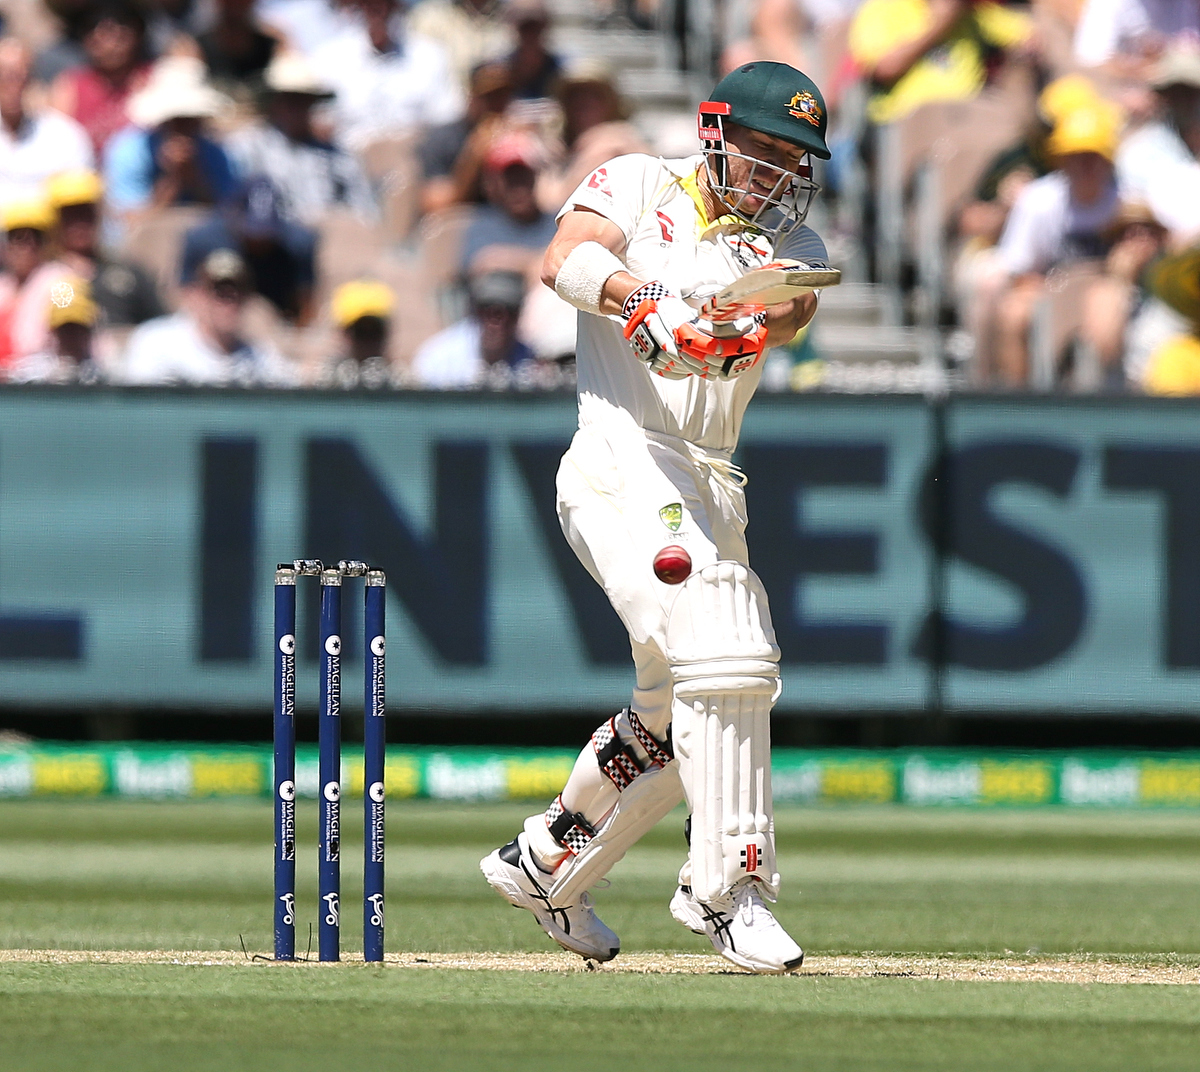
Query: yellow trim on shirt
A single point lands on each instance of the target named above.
(690, 184)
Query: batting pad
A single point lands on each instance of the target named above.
(725, 665)
(645, 801)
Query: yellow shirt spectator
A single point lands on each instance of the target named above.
(1174, 367)
(951, 70)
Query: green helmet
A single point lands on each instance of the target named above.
(779, 101)
(775, 99)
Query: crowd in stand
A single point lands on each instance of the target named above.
(1067, 133)
(357, 193)
(290, 193)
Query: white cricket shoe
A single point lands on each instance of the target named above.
(513, 873)
(741, 928)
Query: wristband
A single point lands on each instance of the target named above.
(583, 274)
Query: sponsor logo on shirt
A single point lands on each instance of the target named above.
(667, 225)
(599, 182)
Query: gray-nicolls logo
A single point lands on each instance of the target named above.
(376, 900)
(289, 908)
(331, 903)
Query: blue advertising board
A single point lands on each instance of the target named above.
(982, 554)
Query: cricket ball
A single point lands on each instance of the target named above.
(672, 564)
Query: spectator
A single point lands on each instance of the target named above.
(169, 158)
(97, 93)
(33, 144)
(451, 171)
(234, 48)
(305, 25)
(1174, 366)
(362, 311)
(1172, 176)
(807, 34)
(511, 217)
(1157, 143)
(310, 175)
(27, 279)
(1057, 219)
(1127, 36)
(471, 32)
(204, 343)
(280, 256)
(595, 130)
(388, 80)
(172, 26)
(123, 293)
(914, 52)
(534, 67)
(70, 357)
(481, 350)
(1115, 303)
(67, 51)
(978, 271)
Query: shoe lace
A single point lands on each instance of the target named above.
(750, 905)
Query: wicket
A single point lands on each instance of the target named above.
(329, 736)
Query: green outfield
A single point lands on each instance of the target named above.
(1017, 885)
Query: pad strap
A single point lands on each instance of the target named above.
(570, 829)
(660, 753)
(616, 759)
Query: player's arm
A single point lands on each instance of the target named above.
(582, 267)
(783, 321)
(582, 225)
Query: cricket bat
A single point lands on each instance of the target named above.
(773, 284)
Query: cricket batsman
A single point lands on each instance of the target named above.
(652, 504)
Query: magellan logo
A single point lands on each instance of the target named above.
(332, 792)
(378, 646)
(333, 645)
(287, 790)
(376, 792)
(804, 106)
(287, 644)
(671, 515)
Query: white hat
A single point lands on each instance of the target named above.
(290, 72)
(1178, 67)
(176, 89)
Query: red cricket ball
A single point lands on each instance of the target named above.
(672, 565)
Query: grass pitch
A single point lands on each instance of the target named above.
(1016, 887)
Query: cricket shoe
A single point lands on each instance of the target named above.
(741, 928)
(513, 873)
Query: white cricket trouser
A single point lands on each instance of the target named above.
(612, 485)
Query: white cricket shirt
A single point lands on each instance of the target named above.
(668, 237)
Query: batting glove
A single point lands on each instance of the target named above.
(654, 321)
(736, 349)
